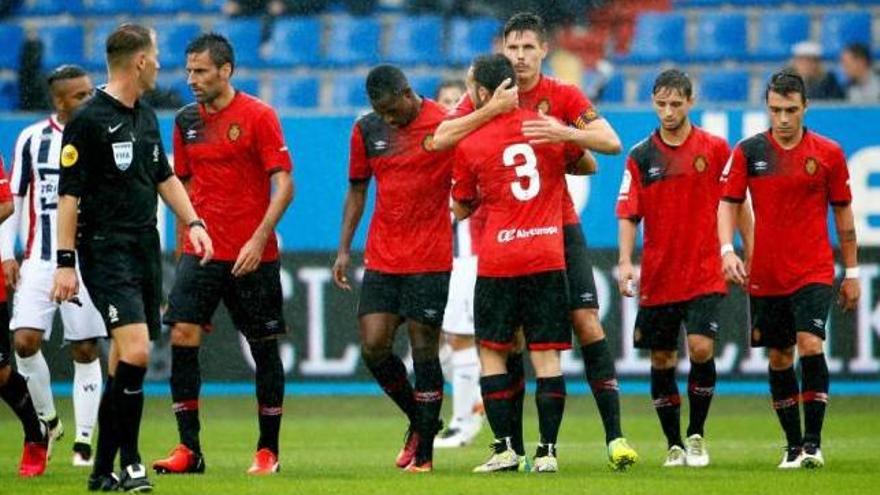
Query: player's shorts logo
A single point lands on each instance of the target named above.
(543, 106)
(69, 155)
(700, 164)
(123, 154)
(756, 334)
(811, 166)
(428, 143)
(234, 132)
(637, 334)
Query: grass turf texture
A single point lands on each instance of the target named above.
(348, 445)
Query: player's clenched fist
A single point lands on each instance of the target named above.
(66, 285)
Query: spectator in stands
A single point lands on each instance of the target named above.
(864, 84)
(821, 84)
(274, 8)
(33, 95)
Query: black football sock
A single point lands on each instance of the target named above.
(602, 379)
(107, 444)
(701, 389)
(814, 377)
(667, 403)
(497, 399)
(550, 399)
(186, 383)
(390, 373)
(429, 399)
(270, 391)
(15, 393)
(784, 390)
(516, 372)
(128, 398)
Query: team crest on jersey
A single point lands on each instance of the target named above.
(428, 143)
(700, 164)
(123, 153)
(234, 132)
(543, 106)
(811, 166)
(69, 155)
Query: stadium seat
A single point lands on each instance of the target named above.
(470, 37)
(645, 85)
(11, 39)
(614, 90)
(349, 90)
(49, 7)
(720, 36)
(415, 40)
(172, 40)
(777, 32)
(174, 81)
(8, 95)
(658, 37)
(425, 84)
(294, 41)
(246, 38)
(105, 7)
(295, 92)
(62, 44)
(96, 44)
(353, 41)
(724, 86)
(248, 84)
(842, 27)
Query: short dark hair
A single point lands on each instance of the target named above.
(674, 79)
(218, 47)
(491, 70)
(786, 82)
(450, 83)
(65, 72)
(126, 40)
(385, 80)
(526, 21)
(860, 51)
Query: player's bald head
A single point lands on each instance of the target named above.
(385, 81)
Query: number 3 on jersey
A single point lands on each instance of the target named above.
(523, 170)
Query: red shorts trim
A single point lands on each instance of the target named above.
(497, 346)
(550, 346)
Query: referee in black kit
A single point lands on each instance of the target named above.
(112, 166)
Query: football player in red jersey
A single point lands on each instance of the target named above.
(671, 183)
(228, 145)
(408, 257)
(792, 175)
(566, 116)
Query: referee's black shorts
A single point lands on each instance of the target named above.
(254, 300)
(579, 270)
(123, 274)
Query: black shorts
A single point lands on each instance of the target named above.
(123, 274)
(579, 270)
(538, 303)
(419, 297)
(254, 300)
(5, 345)
(658, 327)
(777, 319)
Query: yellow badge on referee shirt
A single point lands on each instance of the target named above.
(69, 155)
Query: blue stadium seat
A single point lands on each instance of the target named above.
(294, 41)
(295, 92)
(720, 36)
(469, 38)
(111, 7)
(658, 37)
(349, 90)
(724, 86)
(11, 39)
(415, 40)
(425, 84)
(170, 6)
(645, 85)
(614, 90)
(842, 27)
(62, 44)
(777, 32)
(8, 95)
(248, 84)
(172, 39)
(353, 41)
(50, 7)
(174, 81)
(245, 36)
(96, 44)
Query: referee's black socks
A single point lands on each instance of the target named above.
(128, 396)
(105, 453)
(516, 372)
(814, 377)
(390, 374)
(270, 391)
(667, 403)
(602, 379)
(15, 393)
(785, 393)
(186, 384)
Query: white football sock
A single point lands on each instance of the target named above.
(86, 398)
(445, 356)
(465, 383)
(35, 370)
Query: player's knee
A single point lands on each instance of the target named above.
(809, 344)
(781, 359)
(546, 363)
(84, 351)
(27, 342)
(587, 326)
(663, 360)
(136, 355)
(492, 361)
(461, 342)
(186, 335)
(701, 350)
(374, 353)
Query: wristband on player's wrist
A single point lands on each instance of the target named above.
(198, 222)
(727, 248)
(852, 272)
(66, 258)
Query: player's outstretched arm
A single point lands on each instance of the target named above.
(733, 267)
(597, 136)
(65, 285)
(850, 289)
(251, 253)
(352, 211)
(626, 240)
(450, 132)
(174, 195)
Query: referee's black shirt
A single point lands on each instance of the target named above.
(112, 158)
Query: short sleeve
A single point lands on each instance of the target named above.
(358, 165)
(734, 180)
(571, 153)
(722, 155)
(579, 110)
(629, 198)
(181, 160)
(839, 193)
(464, 181)
(75, 159)
(464, 107)
(162, 171)
(273, 152)
(5, 192)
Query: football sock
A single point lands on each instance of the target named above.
(814, 376)
(270, 391)
(429, 399)
(15, 393)
(517, 375)
(602, 379)
(784, 390)
(465, 383)
(105, 453)
(128, 396)
(86, 398)
(36, 373)
(701, 389)
(550, 399)
(667, 403)
(497, 397)
(186, 383)
(390, 373)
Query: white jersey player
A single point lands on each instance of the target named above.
(34, 179)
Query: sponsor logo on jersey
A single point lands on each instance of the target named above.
(508, 235)
(112, 313)
(69, 155)
(234, 132)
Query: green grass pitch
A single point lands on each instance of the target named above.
(346, 445)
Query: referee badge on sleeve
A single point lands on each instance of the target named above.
(69, 155)
(122, 154)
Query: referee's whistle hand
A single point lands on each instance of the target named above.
(201, 241)
(340, 271)
(65, 285)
